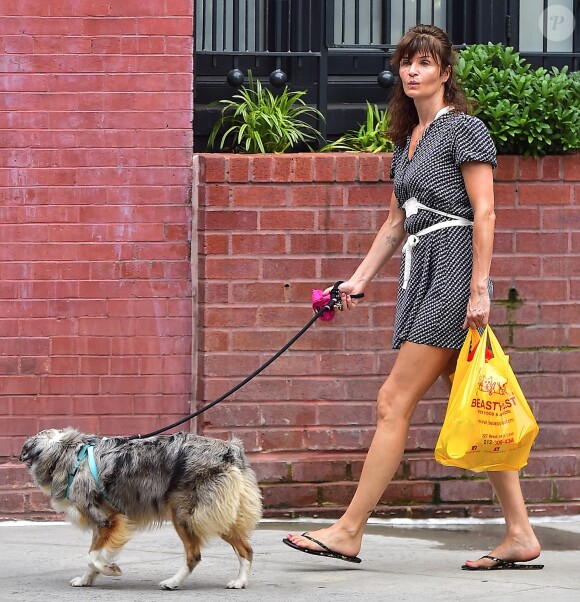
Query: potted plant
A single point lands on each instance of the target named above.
(371, 137)
(257, 121)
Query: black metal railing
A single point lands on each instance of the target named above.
(379, 24)
(226, 26)
(254, 26)
(337, 49)
(266, 36)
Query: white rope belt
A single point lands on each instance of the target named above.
(411, 207)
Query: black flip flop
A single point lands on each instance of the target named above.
(326, 551)
(503, 565)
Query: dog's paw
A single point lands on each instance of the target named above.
(169, 584)
(110, 570)
(237, 584)
(85, 580)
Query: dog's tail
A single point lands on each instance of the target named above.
(231, 500)
(250, 510)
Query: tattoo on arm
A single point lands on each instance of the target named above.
(391, 241)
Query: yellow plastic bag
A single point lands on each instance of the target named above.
(488, 424)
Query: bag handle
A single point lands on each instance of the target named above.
(472, 338)
(498, 352)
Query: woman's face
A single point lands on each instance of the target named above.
(421, 76)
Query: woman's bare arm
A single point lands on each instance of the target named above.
(478, 179)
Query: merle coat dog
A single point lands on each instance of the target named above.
(116, 486)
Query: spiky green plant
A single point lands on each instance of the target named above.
(371, 137)
(257, 121)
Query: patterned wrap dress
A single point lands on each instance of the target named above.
(432, 308)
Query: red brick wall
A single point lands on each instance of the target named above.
(96, 291)
(273, 228)
(95, 177)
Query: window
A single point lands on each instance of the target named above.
(405, 14)
(546, 26)
(245, 25)
(362, 21)
(231, 25)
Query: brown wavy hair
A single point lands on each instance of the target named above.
(425, 40)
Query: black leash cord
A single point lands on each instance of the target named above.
(246, 380)
(334, 299)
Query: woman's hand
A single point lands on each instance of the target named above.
(347, 289)
(478, 308)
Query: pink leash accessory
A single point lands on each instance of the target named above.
(323, 303)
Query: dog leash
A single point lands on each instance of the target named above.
(333, 301)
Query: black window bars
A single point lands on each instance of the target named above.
(341, 47)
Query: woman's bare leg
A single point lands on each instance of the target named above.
(520, 542)
(416, 368)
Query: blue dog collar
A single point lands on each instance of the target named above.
(86, 452)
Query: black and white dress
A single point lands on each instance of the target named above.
(432, 308)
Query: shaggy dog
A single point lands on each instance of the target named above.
(116, 486)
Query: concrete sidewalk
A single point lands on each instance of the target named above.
(402, 561)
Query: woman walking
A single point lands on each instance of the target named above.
(442, 208)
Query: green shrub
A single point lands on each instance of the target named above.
(257, 121)
(528, 112)
(371, 137)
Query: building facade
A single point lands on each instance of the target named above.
(339, 50)
(140, 280)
